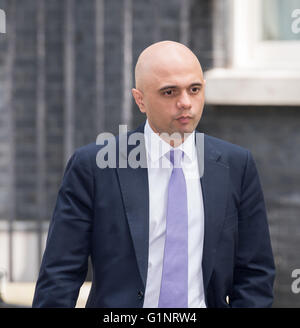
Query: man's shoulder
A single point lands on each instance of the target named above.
(223, 145)
(87, 150)
(103, 139)
(228, 152)
(84, 156)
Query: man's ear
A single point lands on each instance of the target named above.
(138, 97)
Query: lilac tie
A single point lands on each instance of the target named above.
(174, 283)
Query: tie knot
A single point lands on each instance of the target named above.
(176, 157)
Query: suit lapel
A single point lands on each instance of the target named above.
(134, 189)
(214, 184)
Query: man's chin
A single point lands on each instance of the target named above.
(186, 130)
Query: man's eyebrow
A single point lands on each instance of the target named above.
(199, 84)
(196, 84)
(168, 87)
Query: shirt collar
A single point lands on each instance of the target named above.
(156, 147)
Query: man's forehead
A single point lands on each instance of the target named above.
(175, 73)
(175, 67)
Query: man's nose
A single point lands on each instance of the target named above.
(184, 101)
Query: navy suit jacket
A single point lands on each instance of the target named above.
(104, 214)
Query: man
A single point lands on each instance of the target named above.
(161, 236)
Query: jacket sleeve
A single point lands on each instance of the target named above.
(254, 270)
(65, 260)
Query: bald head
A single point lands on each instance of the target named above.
(163, 57)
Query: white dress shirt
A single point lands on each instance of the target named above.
(159, 172)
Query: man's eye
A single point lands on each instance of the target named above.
(195, 89)
(168, 92)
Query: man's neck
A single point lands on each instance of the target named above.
(174, 140)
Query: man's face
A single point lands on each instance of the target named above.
(173, 96)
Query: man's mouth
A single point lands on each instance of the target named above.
(184, 119)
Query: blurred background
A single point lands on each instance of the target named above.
(66, 70)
